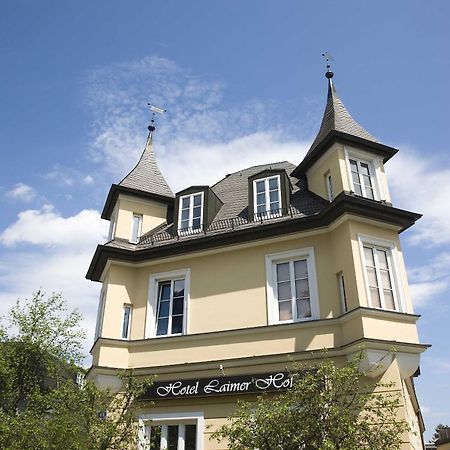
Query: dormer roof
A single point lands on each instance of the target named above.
(338, 125)
(145, 180)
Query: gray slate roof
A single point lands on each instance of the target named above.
(337, 118)
(146, 175)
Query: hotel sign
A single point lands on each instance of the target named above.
(208, 387)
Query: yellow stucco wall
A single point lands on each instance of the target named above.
(153, 214)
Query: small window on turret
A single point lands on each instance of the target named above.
(136, 225)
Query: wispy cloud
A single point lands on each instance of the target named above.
(200, 137)
(22, 192)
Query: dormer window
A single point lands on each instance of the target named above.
(267, 196)
(190, 217)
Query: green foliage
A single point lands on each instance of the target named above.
(328, 408)
(41, 405)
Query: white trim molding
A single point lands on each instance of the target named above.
(196, 417)
(393, 263)
(152, 304)
(271, 283)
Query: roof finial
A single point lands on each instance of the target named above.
(328, 58)
(154, 110)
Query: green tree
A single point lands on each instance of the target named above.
(328, 408)
(42, 407)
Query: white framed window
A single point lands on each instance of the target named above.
(381, 274)
(136, 226)
(112, 225)
(342, 292)
(364, 174)
(171, 431)
(292, 293)
(267, 196)
(100, 313)
(126, 321)
(329, 186)
(168, 303)
(190, 213)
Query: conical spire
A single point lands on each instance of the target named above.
(146, 175)
(337, 118)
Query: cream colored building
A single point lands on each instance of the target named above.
(216, 286)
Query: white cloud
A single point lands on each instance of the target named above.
(421, 184)
(57, 260)
(199, 133)
(423, 293)
(22, 192)
(88, 179)
(46, 227)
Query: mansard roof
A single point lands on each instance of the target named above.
(338, 124)
(145, 180)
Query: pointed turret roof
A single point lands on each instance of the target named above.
(338, 124)
(145, 180)
(146, 175)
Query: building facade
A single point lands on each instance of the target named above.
(217, 289)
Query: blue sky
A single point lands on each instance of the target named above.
(243, 84)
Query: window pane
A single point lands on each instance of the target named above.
(382, 259)
(155, 437)
(260, 209)
(284, 290)
(164, 309)
(260, 186)
(285, 310)
(301, 289)
(164, 291)
(364, 168)
(273, 196)
(197, 200)
(126, 321)
(357, 187)
(196, 224)
(177, 324)
(367, 181)
(273, 183)
(303, 308)
(275, 207)
(353, 166)
(162, 326)
(369, 193)
(368, 254)
(178, 288)
(185, 214)
(260, 199)
(300, 269)
(172, 437)
(190, 437)
(375, 297)
(184, 224)
(355, 178)
(385, 279)
(177, 306)
(283, 272)
(388, 299)
(197, 212)
(185, 203)
(372, 277)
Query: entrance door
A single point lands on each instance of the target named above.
(172, 436)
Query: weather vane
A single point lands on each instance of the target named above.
(328, 58)
(155, 110)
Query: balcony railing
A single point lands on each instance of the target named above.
(218, 226)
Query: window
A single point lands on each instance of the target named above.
(100, 313)
(329, 185)
(381, 274)
(172, 431)
(126, 322)
(342, 293)
(168, 300)
(365, 173)
(292, 287)
(267, 196)
(112, 226)
(136, 228)
(190, 215)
